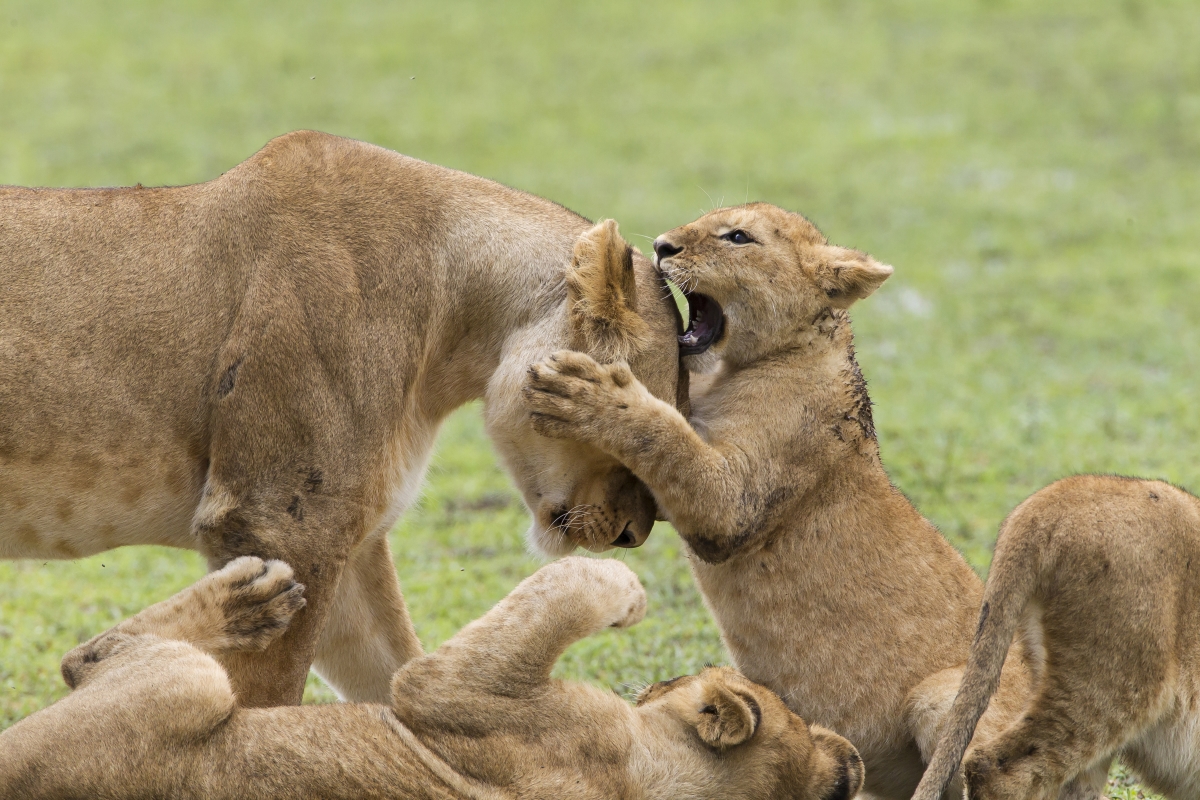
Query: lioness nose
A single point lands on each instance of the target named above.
(628, 538)
(664, 249)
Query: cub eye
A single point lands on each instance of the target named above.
(737, 237)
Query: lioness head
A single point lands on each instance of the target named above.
(750, 739)
(617, 308)
(758, 277)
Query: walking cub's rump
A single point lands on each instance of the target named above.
(1100, 572)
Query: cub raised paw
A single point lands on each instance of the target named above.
(256, 600)
(569, 393)
(608, 585)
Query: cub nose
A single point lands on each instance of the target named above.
(664, 249)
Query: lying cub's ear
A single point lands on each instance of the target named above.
(837, 764)
(603, 294)
(847, 275)
(726, 719)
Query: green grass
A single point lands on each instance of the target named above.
(1029, 168)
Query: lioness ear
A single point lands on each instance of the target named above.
(726, 719)
(847, 275)
(602, 290)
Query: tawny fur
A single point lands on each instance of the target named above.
(603, 293)
(259, 365)
(152, 713)
(1101, 572)
(827, 585)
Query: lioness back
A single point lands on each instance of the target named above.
(259, 365)
(119, 302)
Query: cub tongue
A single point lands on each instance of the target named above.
(704, 324)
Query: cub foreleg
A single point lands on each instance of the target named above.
(512, 649)
(243, 606)
(572, 396)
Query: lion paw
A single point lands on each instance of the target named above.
(608, 585)
(569, 392)
(257, 600)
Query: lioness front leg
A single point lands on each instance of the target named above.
(572, 396)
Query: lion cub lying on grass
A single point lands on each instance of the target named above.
(828, 586)
(1099, 575)
(152, 713)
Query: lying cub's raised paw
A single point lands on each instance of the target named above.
(257, 600)
(605, 583)
(568, 392)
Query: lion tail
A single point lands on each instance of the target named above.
(1017, 567)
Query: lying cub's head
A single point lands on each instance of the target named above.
(758, 278)
(744, 735)
(616, 308)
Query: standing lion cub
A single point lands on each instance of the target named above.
(1099, 575)
(152, 713)
(828, 586)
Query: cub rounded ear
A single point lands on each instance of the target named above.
(841, 763)
(602, 290)
(847, 275)
(726, 719)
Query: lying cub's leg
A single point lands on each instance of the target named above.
(244, 606)
(511, 650)
(148, 687)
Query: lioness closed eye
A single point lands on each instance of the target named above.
(258, 365)
(152, 714)
(828, 586)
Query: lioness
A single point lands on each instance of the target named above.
(258, 365)
(1097, 574)
(152, 714)
(827, 585)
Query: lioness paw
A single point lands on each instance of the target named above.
(257, 600)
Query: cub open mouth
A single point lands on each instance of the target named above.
(706, 322)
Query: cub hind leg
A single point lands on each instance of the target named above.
(243, 606)
(147, 690)
(1089, 702)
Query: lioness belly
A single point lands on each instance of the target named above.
(60, 510)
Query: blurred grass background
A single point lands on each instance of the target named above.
(1029, 168)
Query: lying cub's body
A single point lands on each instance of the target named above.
(152, 714)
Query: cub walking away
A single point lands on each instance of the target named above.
(1098, 575)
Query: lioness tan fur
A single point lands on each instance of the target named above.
(827, 585)
(1098, 574)
(152, 713)
(258, 365)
